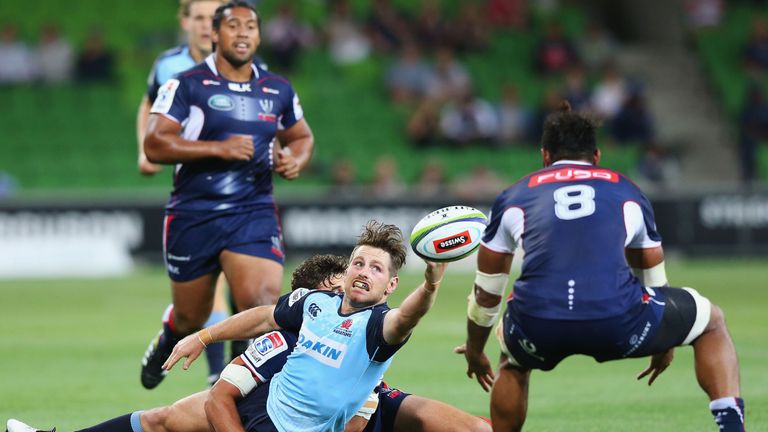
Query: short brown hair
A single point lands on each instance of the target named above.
(186, 5)
(317, 269)
(386, 237)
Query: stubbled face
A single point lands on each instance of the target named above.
(368, 280)
(238, 37)
(199, 25)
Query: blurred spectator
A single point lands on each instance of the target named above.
(753, 128)
(700, 14)
(470, 30)
(468, 119)
(285, 37)
(756, 49)
(388, 27)
(55, 58)
(551, 101)
(479, 184)
(432, 182)
(555, 52)
(344, 183)
(513, 117)
(576, 91)
(450, 78)
(508, 13)
(610, 92)
(656, 165)
(633, 123)
(346, 39)
(15, 57)
(597, 47)
(386, 183)
(8, 185)
(423, 123)
(409, 76)
(430, 27)
(95, 62)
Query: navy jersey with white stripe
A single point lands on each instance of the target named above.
(337, 360)
(573, 222)
(211, 108)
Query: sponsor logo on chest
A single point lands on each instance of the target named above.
(239, 87)
(324, 350)
(221, 102)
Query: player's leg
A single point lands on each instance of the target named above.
(421, 414)
(509, 398)
(254, 281)
(214, 353)
(185, 415)
(192, 303)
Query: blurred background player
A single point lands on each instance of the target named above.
(217, 122)
(195, 19)
(586, 230)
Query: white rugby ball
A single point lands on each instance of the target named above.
(448, 234)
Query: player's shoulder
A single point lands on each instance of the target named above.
(303, 293)
(170, 53)
(271, 79)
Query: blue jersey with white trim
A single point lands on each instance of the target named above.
(211, 108)
(337, 360)
(573, 222)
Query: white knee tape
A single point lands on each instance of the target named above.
(240, 377)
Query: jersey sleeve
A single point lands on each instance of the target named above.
(640, 224)
(378, 349)
(289, 311)
(153, 86)
(293, 111)
(505, 227)
(173, 99)
(267, 354)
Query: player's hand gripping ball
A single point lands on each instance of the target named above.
(448, 234)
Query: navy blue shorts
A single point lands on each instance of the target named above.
(383, 419)
(665, 318)
(192, 242)
(253, 410)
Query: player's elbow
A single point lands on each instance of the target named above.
(155, 148)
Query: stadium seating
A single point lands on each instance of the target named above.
(74, 137)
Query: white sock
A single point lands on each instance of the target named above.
(723, 403)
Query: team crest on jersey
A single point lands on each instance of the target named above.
(345, 328)
(221, 103)
(266, 114)
(165, 96)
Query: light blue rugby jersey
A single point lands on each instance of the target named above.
(337, 361)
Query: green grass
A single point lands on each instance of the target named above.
(71, 349)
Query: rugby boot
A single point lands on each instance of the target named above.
(14, 425)
(152, 372)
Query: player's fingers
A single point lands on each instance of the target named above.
(170, 361)
(643, 373)
(189, 360)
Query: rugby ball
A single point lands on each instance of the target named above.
(448, 234)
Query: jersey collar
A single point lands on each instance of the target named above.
(211, 63)
(570, 162)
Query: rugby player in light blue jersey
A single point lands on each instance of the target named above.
(345, 342)
(592, 283)
(217, 123)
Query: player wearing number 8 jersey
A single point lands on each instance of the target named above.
(592, 282)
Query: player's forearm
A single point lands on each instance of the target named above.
(477, 337)
(410, 312)
(141, 123)
(302, 150)
(244, 325)
(168, 148)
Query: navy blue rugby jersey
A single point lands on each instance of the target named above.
(573, 222)
(211, 108)
(171, 62)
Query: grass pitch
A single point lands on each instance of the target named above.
(71, 350)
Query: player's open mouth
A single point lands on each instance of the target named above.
(242, 48)
(361, 285)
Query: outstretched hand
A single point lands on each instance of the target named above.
(478, 366)
(659, 363)
(434, 272)
(190, 347)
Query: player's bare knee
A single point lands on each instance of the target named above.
(479, 425)
(716, 319)
(154, 420)
(187, 322)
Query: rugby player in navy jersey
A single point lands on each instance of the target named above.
(592, 283)
(217, 122)
(195, 19)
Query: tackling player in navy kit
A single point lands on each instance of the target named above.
(592, 283)
(217, 123)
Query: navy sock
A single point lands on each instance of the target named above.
(124, 423)
(215, 351)
(728, 413)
